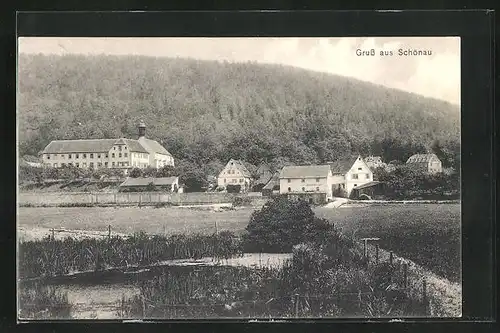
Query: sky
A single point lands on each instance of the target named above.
(437, 75)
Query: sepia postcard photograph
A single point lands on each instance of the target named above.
(238, 178)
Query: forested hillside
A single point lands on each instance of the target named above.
(207, 112)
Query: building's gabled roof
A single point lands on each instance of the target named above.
(305, 171)
(342, 166)
(421, 158)
(153, 146)
(273, 182)
(263, 167)
(137, 182)
(162, 181)
(240, 166)
(134, 146)
(79, 146)
(165, 180)
(90, 146)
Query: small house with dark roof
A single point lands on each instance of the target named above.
(272, 187)
(429, 163)
(118, 153)
(235, 173)
(264, 175)
(167, 184)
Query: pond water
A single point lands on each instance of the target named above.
(97, 295)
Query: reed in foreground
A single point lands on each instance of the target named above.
(49, 257)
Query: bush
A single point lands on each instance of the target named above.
(241, 201)
(135, 173)
(233, 188)
(281, 224)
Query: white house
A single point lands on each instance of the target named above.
(349, 173)
(425, 162)
(234, 173)
(310, 182)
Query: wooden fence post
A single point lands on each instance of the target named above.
(96, 198)
(376, 253)
(296, 305)
(424, 295)
(109, 232)
(114, 195)
(390, 258)
(405, 274)
(53, 237)
(364, 248)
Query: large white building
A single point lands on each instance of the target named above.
(119, 153)
(318, 183)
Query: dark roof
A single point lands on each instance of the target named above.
(137, 182)
(421, 158)
(146, 181)
(153, 146)
(305, 171)
(89, 146)
(343, 165)
(369, 184)
(134, 145)
(263, 167)
(165, 180)
(273, 182)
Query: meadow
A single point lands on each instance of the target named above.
(428, 234)
(128, 220)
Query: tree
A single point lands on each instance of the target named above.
(281, 224)
(167, 171)
(135, 173)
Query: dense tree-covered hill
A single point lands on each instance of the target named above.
(207, 112)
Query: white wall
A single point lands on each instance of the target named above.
(304, 185)
(227, 177)
(361, 171)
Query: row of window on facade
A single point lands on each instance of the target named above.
(317, 188)
(91, 164)
(98, 155)
(229, 172)
(235, 180)
(303, 189)
(354, 176)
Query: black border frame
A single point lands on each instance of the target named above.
(475, 27)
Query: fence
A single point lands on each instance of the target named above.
(127, 198)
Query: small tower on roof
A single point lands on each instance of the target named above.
(142, 129)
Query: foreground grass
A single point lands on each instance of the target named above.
(43, 302)
(311, 285)
(49, 257)
(429, 234)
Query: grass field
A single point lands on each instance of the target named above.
(428, 234)
(134, 219)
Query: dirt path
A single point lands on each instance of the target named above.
(36, 233)
(445, 296)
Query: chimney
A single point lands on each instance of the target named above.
(142, 129)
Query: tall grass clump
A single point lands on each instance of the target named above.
(49, 257)
(43, 302)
